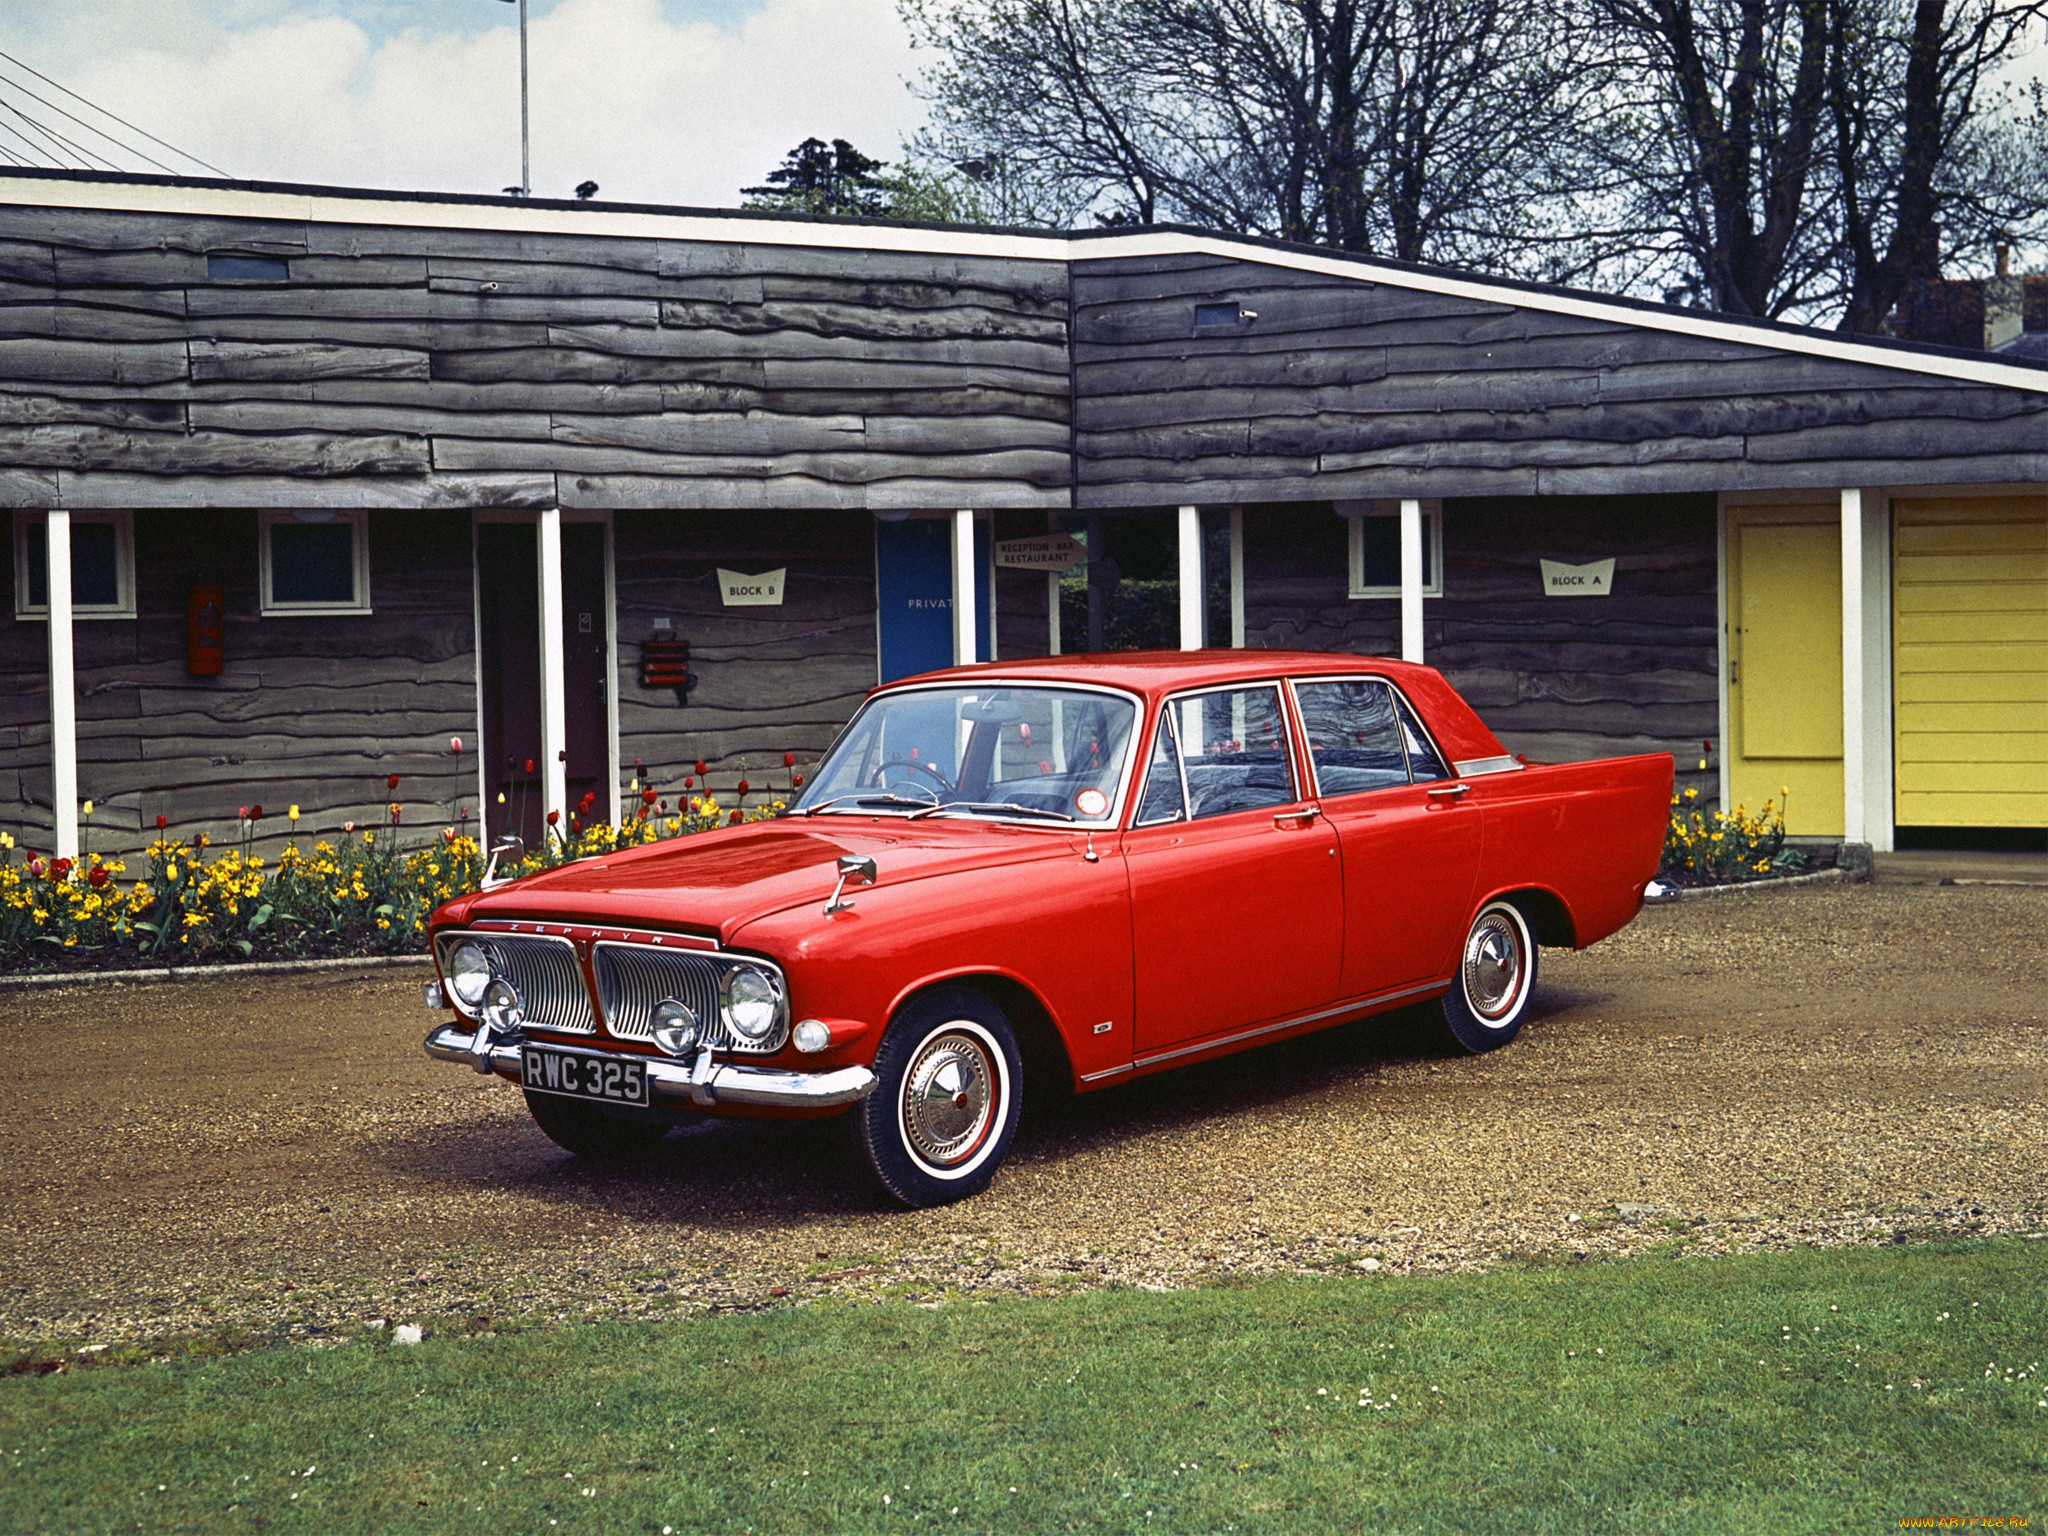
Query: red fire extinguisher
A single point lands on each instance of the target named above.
(203, 631)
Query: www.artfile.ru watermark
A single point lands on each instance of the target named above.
(1962, 1522)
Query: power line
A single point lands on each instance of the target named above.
(80, 159)
(88, 127)
(116, 117)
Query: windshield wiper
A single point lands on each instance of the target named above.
(1007, 807)
(876, 797)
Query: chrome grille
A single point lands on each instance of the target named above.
(545, 974)
(632, 978)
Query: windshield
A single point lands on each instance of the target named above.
(1040, 754)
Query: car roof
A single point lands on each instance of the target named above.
(1157, 672)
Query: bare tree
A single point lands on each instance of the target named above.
(1420, 129)
(1944, 164)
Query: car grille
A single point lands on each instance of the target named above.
(546, 976)
(632, 978)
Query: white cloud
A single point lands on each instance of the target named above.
(652, 108)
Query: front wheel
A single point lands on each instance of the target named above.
(1489, 997)
(588, 1131)
(945, 1107)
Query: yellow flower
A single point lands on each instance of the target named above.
(293, 813)
(86, 809)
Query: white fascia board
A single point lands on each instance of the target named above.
(314, 205)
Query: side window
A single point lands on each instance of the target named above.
(1353, 736)
(1162, 799)
(1233, 748)
(1423, 763)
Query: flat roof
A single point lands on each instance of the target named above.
(176, 196)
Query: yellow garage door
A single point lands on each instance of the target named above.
(1970, 662)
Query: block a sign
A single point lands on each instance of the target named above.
(1594, 580)
(741, 591)
(1047, 552)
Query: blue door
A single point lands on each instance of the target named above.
(914, 594)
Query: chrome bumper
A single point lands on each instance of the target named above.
(700, 1083)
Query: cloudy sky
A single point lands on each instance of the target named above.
(669, 101)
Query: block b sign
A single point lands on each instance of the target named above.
(738, 590)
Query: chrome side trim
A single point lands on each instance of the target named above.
(677, 1084)
(1484, 765)
(1294, 1023)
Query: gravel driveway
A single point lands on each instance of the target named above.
(1835, 1064)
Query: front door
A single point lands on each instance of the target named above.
(1410, 843)
(1785, 665)
(508, 572)
(1237, 901)
(914, 595)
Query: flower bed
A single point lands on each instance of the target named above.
(1704, 847)
(366, 892)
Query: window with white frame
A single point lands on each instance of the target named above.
(1375, 528)
(102, 565)
(314, 563)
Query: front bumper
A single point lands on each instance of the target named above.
(680, 1084)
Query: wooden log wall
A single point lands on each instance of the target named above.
(1561, 679)
(443, 370)
(1343, 387)
(316, 712)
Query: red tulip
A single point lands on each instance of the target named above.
(455, 745)
(702, 770)
(789, 759)
(648, 797)
(689, 783)
(98, 878)
(797, 780)
(529, 765)
(241, 813)
(743, 786)
(734, 819)
(161, 823)
(391, 782)
(464, 813)
(554, 818)
(255, 813)
(348, 826)
(447, 834)
(59, 868)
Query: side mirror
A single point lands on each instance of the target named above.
(852, 866)
(511, 845)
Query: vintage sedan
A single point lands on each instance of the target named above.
(1038, 877)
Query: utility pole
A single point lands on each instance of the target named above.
(525, 138)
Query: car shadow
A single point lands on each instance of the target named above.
(760, 1175)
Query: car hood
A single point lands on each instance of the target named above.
(718, 882)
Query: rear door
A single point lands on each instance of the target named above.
(1410, 841)
(1236, 895)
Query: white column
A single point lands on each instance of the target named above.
(1853, 796)
(964, 604)
(554, 729)
(1191, 594)
(63, 688)
(1411, 581)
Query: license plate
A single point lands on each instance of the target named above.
(611, 1079)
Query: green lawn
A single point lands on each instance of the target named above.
(1776, 1393)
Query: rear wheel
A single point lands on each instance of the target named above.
(1489, 997)
(588, 1131)
(942, 1116)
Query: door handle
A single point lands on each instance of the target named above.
(1451, 792)
(1300, 818)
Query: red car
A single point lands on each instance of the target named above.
(1045, 876)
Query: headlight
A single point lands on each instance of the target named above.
(469, 972)
(751, 1001)
(675, 1027)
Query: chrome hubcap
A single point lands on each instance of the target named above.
(948, 1098)
(1493, 966)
